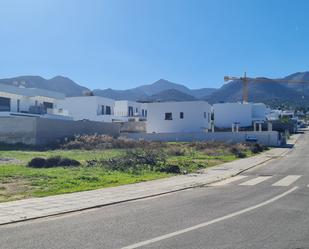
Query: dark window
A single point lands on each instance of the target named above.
(205, 115)
(108, 110)
(18, 105)
(130, 111)
(181, 115)
(143, 113)
(102, 110)
(136, 110)
(5, 104)
(168, 116)
(146, 113)
(48, 105)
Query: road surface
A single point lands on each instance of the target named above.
(265, 207)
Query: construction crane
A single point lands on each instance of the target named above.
(246, 80)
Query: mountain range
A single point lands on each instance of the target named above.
(271, 91)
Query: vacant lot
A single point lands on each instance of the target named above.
(106, 166)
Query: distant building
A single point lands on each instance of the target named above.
(173, 117)
(18, 101)
(226, 114)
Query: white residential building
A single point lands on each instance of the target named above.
(96, 108)
(18, 101)
(226, 114)
(92, 108)
(128, 108)
(174, 117)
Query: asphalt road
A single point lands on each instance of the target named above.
(249, 213)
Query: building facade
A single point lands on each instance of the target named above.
(17, 101)
(172, 117)
(96, 108)
(227, 114)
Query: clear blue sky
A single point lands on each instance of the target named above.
(125, 43)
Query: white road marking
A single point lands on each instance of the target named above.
(205, 224)
(286, 181)
(255, 181)
(227, 181)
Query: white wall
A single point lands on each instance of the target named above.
(227, 113)
(193, 120)
(26, 101)
(259, 112)
(87, 107)
(122, 106)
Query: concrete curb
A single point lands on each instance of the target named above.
(198, 185)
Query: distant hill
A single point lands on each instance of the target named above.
(147, 91)
(130, 94)
(58, 84)
(169, 95)
(270, 92)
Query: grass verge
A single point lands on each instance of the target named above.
(17, 181)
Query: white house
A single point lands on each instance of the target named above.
(96, 108)
(18, 101)
(173, 117)
(225, 114)
(127, 108)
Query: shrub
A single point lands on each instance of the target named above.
(133, 161)
(175, 151)
(68, 162)
(99, 142)
(238, 152)
(50, 162)
(37, 162)
(171, 169)
(257, 148)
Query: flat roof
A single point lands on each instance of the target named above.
(31, 92)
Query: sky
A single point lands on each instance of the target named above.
(122, 44)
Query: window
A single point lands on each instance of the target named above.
(136, 110)
(205, 115)
(108, 110)
(130, 111)
(143, 113)
(5, 104)
(18, 105)
(48, 105)
(146, 113)
(181, 115)
(102, 110)
(168, 116)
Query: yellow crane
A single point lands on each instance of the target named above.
(246, 80)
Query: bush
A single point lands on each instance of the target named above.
(257, 148)
(133, 161)
(238, 153)
(171, 169)
(37, 162)
(50, 162)
(99, 142)
(175, 151)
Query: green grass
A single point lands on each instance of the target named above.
(17, 181)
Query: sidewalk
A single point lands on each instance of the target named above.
(47, 206)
